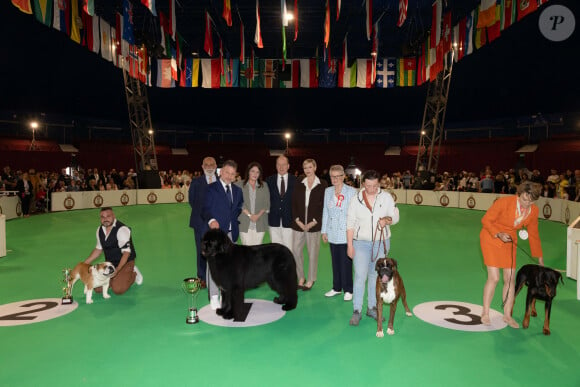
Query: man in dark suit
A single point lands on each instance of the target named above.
(222, 206)
(281, 186)
(197, 192)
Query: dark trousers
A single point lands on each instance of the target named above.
(25, 204)
(341, 268)
(201, 261)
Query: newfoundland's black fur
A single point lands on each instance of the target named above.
(235, 268)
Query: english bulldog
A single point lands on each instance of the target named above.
(389, 289)
(93, 276)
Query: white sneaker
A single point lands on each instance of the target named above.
(215, 303)
(331, 293)
(347, 296)
(139, 276)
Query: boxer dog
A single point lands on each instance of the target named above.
(390, 288)
(542, 283)
(93, 276)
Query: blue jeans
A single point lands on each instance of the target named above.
(365, 258)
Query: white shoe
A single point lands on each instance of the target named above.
(215, 303)
(331, 293)
(347, 296)
(139, 276)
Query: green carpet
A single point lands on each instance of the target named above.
(141, 339)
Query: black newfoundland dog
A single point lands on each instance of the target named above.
(235, 268)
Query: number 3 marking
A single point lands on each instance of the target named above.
(461, 311)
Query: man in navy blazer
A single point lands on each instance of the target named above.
(197, 192)
(221, 209)
(280, 215)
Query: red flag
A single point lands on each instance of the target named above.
(258, 34)
(403, 4)
(295, 20)
(337, 9)
(23, 5)
(172, 21)
(227, 12)
(326, 25)
(525, 7)
(242, 43)
(208, 40)
(446, 40)
(369, 20)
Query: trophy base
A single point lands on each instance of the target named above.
(66, 301)
(192, 317)
(192, 320)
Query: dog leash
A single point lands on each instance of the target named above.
(382, 238)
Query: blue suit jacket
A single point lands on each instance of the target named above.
(217, 206)
(197, 191)
(280, 207)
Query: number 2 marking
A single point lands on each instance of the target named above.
(26, 315)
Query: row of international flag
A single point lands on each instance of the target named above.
(116, 44)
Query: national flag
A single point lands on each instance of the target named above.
(403, 5)
(106, 42)
(258, 33)
(346, 75)
(128, 22)
(428, 59)
(526, 7)
(295, 20)
(369, 17)
(242, 43)
(230, 77)
(179, 50)
(468, 43)
(143, 70)
(406, 72)
(385, 73)
(210, 73)
(290, 74)
(191, 70)
(375, 45)
(89, 7)
(480, 37)
(328, 71)
(446, 41)
(494, 30)
(75, 27)
(436, 23)
(364, 73)
(459, 39)
(337, 9)
(164, 73)
(173, 64)
(486, 16)
(133, 61)
(92, 32)
(61, 19)
(308, 73)
(227, 13)
(326, 24)
(208, 38)
(247, 73)
(270, 74)
(151, 5)
(164, 29)
(172, 19)
(43, 11)
(508, 14)
(23, 5)
(422, 65)
(114, 47)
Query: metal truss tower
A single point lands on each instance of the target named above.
(140, 122)
(433, 121)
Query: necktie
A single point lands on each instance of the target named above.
(282, 187)
(210, 179)
(229, 193)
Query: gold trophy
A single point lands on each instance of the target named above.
(67, 290)
(191, 286)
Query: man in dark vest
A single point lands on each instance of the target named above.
(114, 239)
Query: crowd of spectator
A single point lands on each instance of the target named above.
(563, 185)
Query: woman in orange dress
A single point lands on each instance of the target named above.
(498, 239)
